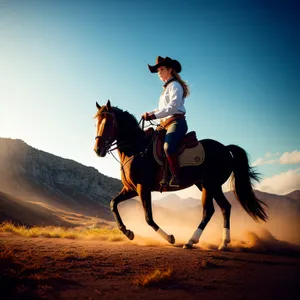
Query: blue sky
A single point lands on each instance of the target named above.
(240, 58)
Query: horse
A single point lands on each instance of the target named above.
(139, 173)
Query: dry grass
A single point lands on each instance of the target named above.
(67, 255)
(105, 234)
(154, 277)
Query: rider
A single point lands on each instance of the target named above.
(170, 110)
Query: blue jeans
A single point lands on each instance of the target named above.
(174, 134)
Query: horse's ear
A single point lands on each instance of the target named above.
(97, 105)
(108, 105)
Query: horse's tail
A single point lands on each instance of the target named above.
(241, 184)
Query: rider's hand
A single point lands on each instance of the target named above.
(144, 116)
(147, 117)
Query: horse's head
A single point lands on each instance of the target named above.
(106, 129)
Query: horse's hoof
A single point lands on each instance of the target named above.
(129, 234)
(171, 239)
(187, 246)
(223, 247)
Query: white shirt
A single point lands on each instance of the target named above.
(171, 101)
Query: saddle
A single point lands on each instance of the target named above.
(190, 153)
(190, 150)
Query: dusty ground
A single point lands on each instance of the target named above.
(41, 268)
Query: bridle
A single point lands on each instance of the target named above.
(112, 137)
(113, 142)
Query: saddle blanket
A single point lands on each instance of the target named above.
(189, 157)
(192, 156)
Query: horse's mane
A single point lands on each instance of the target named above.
(130, 132)
(128, 124)
(125, 118)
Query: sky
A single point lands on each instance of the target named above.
(240, 59)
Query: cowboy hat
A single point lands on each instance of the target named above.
(168, 62)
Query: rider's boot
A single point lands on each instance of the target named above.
(174, 168)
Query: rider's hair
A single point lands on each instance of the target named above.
(186, 89)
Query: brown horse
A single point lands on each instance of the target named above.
(139, 173)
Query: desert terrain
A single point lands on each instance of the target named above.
(54, 262)
(43, 268)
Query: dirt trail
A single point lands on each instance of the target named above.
(40, 268)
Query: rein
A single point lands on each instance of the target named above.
(110, 143)
(141, 154)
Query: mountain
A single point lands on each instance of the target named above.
(26, 213)
(281, 201)
(295, 195)
(31, 175)
(18, 211)
(174, 202)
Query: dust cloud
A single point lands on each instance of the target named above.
(280, 234)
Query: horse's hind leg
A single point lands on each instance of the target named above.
(208, 211)
(225, 208)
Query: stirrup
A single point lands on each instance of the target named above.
(163, 183)
(174, 182)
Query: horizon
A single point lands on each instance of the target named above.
(239, 58)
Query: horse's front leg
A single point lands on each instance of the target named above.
(122, 196)
(145, 195)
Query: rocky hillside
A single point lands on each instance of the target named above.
(35, 175)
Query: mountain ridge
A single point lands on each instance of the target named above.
(35, 175)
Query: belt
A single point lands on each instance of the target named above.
(170, 120)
